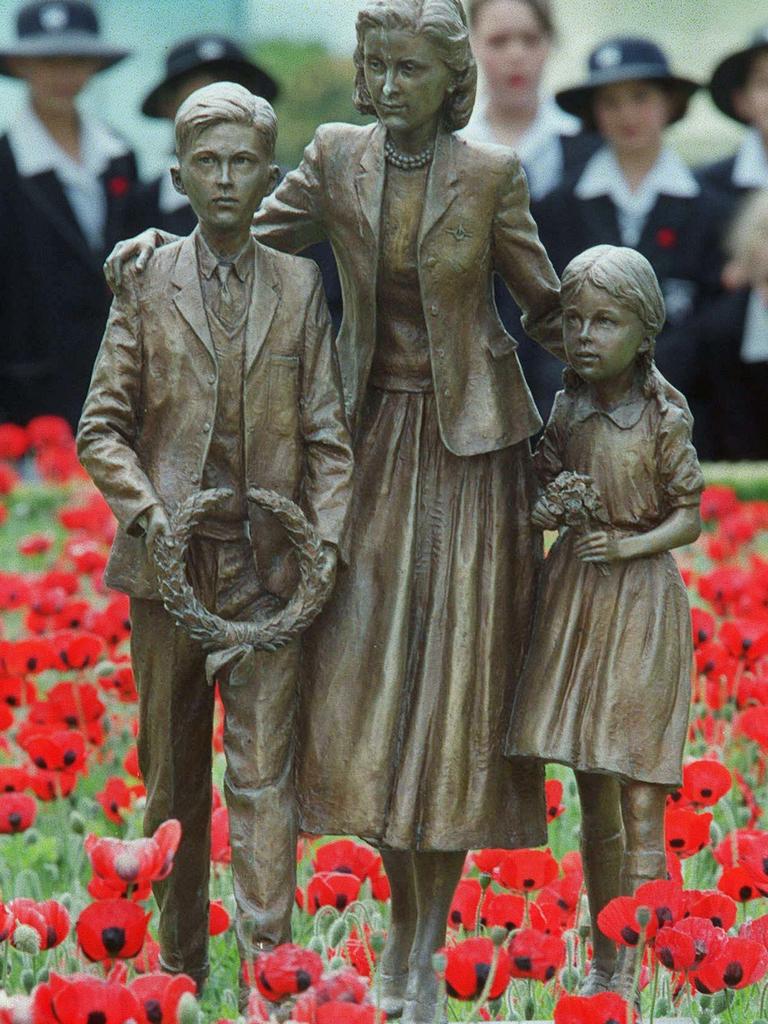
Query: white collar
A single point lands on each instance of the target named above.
(750, 169)
(669, 176)
(35, 151)
(168, 199)
(549, 123)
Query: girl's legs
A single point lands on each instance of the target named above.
(642, 807)
(602, 851)
(436, 875)
(393, 967)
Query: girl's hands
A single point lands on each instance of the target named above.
(542, 518)
(598, 547)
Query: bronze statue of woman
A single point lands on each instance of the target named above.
(410, 672)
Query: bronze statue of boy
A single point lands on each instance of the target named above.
(218, 370)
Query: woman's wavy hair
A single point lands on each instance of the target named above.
(628, 277)
(444, 24)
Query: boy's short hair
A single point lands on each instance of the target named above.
(223, 102)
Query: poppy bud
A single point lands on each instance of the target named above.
(27, 980)
(27, 940)
(569, 979)
(77, 823)
(316, 945)
(188, 1010)
(498, 935)
(31, 836)
(337, 963)
(439, 963)
(643, 916)
(485, 880)
(337, 933)
(377, 941)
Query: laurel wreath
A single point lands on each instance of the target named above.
(279, 623)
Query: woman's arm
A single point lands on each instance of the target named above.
(683, 526)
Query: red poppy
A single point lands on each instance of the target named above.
(357, 950)
(88, 556)
(23, 657)
(77, 649)
(618, 921)
(17, 812)
(755, 858)
(733, 849)
(8, 478)
(286, 971)
(50, 785)
(488, 861)
(707, 938)
(563, 894)
(148, 960)
(702, 626)
(218, 918)
(740, 884)
(347, 856)
(331, 889)
(745, 639)
(604, 1008)
(13, 779)
(465, 903)
(740, 962)
(49, 918)
(705, 781)
(82, 999)
(380, 888)
(666, 238)
(723, 586)
(14, 591)
(664, 899)
(753, 723)
(468, 968)
(159, 994)
(47, 430)
(35, 544)
(686, 831)
(123, 863)
(553, 792)
(123, 683)
(108, 929)
(756, 929)
(528, 870)
(507, 910)
(221, 851)
(338, 998)
(7, 922)
(716, 907)
(717, 501)
(14, 441)
(534, 954)
(61, 750)
(675, 949)
(116, 797)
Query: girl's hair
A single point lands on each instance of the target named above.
(444, 24)
(542, 10)
(628, 277)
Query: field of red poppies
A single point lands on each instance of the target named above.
(77, 920)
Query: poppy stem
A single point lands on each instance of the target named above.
(654, 990)
(486, 991)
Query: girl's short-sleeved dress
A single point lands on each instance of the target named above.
(606, 683)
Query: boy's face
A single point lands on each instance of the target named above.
(225, 173)
(751, 102)
(631, 116)
(602, 336)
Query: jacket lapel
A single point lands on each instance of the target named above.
(601, 221)
(189, 298)
(369, 179)
(441, 182)
(46, 192)
(264, 302)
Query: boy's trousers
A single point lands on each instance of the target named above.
(175, 736)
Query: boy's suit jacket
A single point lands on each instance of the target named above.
(150, 412)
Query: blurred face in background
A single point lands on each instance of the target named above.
(631, 116)
(511, 45)
(54, 79)
(751, 102)
(191, 83)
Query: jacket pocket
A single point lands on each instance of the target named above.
(500, 345)
(283, 396)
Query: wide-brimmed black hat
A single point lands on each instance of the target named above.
(213, 53)
(59, 28)
(624, 59)
(732, 73)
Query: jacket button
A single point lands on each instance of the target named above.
(431, 261)
(212, 379)
(433, 309)
(206, 427)
(447, 392)
(440, 352)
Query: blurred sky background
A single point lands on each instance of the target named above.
(696, 33)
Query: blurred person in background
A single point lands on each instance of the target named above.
(636, 191)
(739, 88)
(734, 339)
(64, 181)
(512, 41)
(190, 65)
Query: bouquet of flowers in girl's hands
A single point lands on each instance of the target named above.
(572, 501)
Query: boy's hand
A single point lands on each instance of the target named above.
(157, 526)
(598, 547)
(542, 518)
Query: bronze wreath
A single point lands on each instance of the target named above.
(279, 623)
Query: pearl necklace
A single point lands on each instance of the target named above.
(404, 161)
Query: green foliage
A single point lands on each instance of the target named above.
(315, 87)
(748, 479)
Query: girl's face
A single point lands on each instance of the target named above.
(55, 78)
(512, 48)
(631, 116)
(602, 336)
(751, 102)
(407, 80)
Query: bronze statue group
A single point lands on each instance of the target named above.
(452, 660)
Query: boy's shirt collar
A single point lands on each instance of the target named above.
(602, 176)
(625, 415)
(750, 169)
(208, 260)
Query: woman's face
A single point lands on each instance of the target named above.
(511, 47)
(407, 80)
(751, 102)
(55, 78)
(632, 116)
